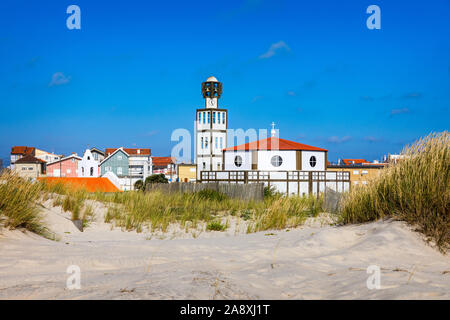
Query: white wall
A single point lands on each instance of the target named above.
(320, 160)
(114, 179)
(217, 150)
(265, 157)
(86, 163)
(200, 161)
(204, 151)
(246, 160)
(217, 163)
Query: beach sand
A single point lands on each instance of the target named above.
(315, 261)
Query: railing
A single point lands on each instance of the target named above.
(290, 182)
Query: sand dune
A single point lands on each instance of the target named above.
(311, 262)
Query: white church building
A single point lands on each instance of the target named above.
(290, 167)
(88, 167)
(275, 154)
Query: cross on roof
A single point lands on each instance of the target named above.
(272, 132)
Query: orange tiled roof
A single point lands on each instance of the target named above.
(22, 150)
(273, 144)
(162, 161)
(133, 151)
(353, 161)
(89, 184)
(29, 159)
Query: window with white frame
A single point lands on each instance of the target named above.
(312, 161)
(355, 171)
(221, 143)
(276, 161)
(119, 170)
(201, 140)
(119, 157)
(238, 161)
(364, 172)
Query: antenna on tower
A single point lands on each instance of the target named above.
(273, 132)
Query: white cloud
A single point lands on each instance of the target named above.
(58, 79)
(257, 98)
(336, 139)
(399, 111)
(274, 48)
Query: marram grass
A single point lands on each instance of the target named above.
(415, 190)
(135, 210)
(156, 210)
(19, 204)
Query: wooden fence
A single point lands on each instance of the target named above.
(254, 191)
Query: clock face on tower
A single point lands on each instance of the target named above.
(211, 102)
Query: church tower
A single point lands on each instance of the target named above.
(211, 129)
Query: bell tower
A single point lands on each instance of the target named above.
(211, 90)
(211, 129)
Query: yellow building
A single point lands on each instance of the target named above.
(30, 167)
(187, 172)
(360, 174)
(47, 156)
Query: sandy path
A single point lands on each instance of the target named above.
(305, 263)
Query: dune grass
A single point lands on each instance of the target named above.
(216, 226)
(415, 190)
(156, 210)
(19, 204)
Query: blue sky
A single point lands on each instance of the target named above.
(132, 74)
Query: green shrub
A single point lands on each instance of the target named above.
(139, 185)
(156, 178)
(215, 226)
(246, 215)
(270, 192)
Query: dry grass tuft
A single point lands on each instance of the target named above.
(157, 210)
(415, 190)
(18, 204)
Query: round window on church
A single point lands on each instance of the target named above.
(238, 161)
(276, 161)
(312, 161)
